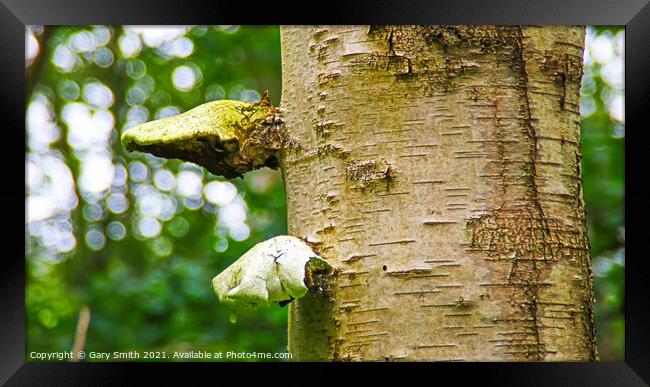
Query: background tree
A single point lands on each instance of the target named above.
(139, 249)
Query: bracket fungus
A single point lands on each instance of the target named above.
(277, 270)
(226, 137)
(230, 138)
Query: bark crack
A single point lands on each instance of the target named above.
(532, 291)
(531, 131)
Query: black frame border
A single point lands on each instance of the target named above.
(634, 14)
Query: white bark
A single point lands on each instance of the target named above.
(437, 169)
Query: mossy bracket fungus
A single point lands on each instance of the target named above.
(226, 137)
(277, 270)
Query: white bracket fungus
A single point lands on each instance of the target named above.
(277, 270)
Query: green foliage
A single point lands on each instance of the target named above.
(603, 156)
(138, 239)
(147, 290)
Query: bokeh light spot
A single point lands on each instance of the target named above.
(149, 227)
(117, 203)
(220, 245)
(32, 47)
(95, 239)
(98, 95)
(116, 231)
(164, 180)
(189, 184)
(48, 318)
(136, 69)
(220, 192)
(138, 171)
(183, 78)
(130, 45)
(68, 90)
(178, 227)
(103, 57)
(214, 92)
(97, 172)
(167, 111)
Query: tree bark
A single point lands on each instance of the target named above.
(437, 169)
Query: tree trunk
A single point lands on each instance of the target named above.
(438, 170)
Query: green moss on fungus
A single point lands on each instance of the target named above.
(226, 137)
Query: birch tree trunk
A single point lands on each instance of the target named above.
(438, 170)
